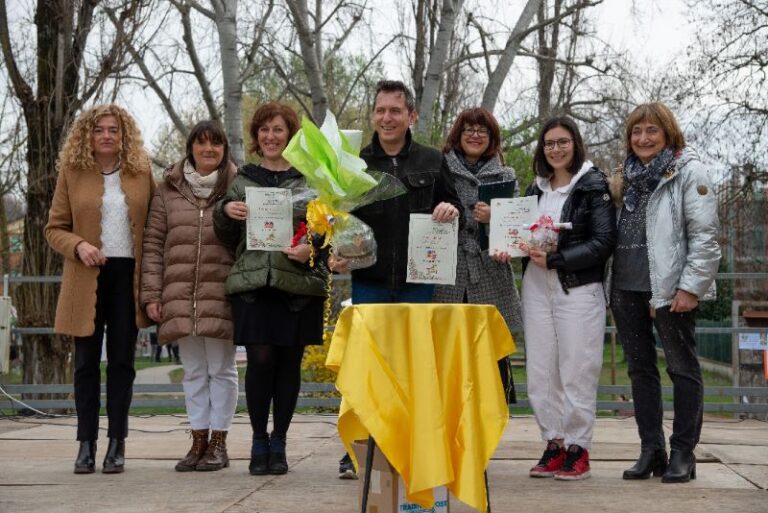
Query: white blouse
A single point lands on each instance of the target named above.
(116, 236)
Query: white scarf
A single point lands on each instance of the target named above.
(202, 186)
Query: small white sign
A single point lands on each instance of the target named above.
(432, 248)
(510, 219)
(404, 506)
(269, 226)
(755, 341)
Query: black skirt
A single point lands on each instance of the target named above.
(268, 316)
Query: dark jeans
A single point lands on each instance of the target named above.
(676, 330)
(410, 293)
(273, 376)
(115, 308)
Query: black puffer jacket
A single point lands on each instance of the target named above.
(583, 251)
(425, 174)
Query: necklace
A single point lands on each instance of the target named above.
(107, 173)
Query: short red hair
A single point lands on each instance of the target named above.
(267, 112)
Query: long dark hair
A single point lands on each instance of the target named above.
(212, 131)
(540, 165)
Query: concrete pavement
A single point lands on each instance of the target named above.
(36, 457)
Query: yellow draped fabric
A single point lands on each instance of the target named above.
(423, 380)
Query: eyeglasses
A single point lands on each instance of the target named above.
(479, 131)
(561, 143)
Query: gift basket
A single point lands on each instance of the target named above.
(339, 182)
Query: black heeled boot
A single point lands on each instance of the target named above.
(86, 458)
(114, 460)
(681, 468)
(277, 461)
(259, 465)
(651, 461)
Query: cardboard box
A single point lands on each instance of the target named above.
(387, 490)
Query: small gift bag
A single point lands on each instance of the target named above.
(543, 234)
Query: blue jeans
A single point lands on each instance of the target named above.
(410, 293)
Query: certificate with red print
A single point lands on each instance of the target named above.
(269, 226)
(510, 220)
(432, 250)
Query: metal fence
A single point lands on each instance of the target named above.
(323, 395)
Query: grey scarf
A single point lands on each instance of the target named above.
(466, 182)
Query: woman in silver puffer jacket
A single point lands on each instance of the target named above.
(664, 264)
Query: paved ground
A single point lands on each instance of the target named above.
(159, 375)
(36, 459)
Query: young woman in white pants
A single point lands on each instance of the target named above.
(563, 300)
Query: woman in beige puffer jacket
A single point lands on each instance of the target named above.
(182, 289)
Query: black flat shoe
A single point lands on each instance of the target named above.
(259, 465)
(681, 468)
(86, 458)
(114, 461)
(277, 463)
(650, 462)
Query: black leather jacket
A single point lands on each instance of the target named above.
(583, 251)
(425, 174)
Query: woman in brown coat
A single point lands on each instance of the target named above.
(182, 289)
(96, 222)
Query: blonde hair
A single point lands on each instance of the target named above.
(77, 150)
(659, 114)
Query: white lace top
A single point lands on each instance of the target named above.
(116, 237)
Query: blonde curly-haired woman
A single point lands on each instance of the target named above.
(97, 222)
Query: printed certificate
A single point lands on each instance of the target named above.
(432, 248)
(510, 219)
(269, 226)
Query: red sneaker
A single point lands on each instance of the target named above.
(576, 465)
(551, 461)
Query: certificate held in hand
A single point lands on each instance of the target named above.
(269, 225)
(510, 222)
(485, 193)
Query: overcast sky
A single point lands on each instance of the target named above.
(653, 31)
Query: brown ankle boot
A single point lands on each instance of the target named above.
(199, 446)
(215, 458)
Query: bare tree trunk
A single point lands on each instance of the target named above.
(309, 54)
(547, 65)
(5, 243)
(48, 115)
(417, 75)
(437, 58)
(495, 81)
(226, 25)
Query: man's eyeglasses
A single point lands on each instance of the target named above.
(479, 131)
(560, 143)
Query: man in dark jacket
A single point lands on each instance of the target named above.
(424, 173)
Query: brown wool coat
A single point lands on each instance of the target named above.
(75, 216)
(185, 265)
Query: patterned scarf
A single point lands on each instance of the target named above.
(643, 178)
(202, 186)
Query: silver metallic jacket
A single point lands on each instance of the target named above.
(681, 227)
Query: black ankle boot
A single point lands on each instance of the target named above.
(114, 460)
(86, 458)
(259, 464)
(681, 468)
(650, 461)
(277, 460)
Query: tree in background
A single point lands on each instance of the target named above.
(51, 80)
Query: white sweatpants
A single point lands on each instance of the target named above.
(210, 381)
(564, 352)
